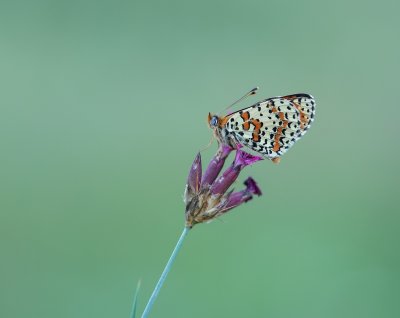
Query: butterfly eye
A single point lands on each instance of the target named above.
(214, 121)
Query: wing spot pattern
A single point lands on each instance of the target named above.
(245, 116)
(272, 126)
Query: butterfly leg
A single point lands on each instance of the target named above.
(209, 144)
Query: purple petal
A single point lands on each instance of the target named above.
(215, 165)
(252, 187)
(244, 159)
(194, 177)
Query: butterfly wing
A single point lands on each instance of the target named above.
(270, 127)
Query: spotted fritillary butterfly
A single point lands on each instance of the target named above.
(269, 127)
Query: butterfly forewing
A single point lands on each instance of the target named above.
(270, 127)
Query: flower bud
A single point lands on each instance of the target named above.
(194, 179)
(215, 165)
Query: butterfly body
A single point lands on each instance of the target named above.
(269, 127)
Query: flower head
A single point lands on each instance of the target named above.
(210, 198)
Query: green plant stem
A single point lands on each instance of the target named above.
(165, 273)
(135, 300)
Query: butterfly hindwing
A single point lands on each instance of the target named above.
(270, 127)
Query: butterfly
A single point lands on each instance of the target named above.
(269, 127)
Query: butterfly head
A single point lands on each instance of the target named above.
(213, 121)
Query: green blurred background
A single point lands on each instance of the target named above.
(103, 108)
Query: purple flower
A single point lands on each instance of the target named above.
(252, 187)
(237, 198)
(209, 199)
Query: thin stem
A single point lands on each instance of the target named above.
(165, 273)
(135, 300)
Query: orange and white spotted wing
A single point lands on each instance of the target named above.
(270, 127)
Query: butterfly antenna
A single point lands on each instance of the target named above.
(249, 93)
